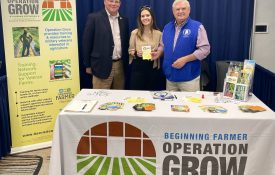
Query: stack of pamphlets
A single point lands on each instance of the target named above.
(163, 95)
(251, 108)
(180, 108)
(194, 99)
(135, 99)
(144, 107)
(111, 106)
(213, 109)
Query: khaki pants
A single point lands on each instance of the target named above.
(188, 86)
(115, 80)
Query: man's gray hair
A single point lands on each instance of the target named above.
(178, 1)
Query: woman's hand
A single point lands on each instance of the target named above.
(139, 53)
(156, 54)
(132, 53)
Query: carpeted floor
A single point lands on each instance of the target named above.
(28, 163)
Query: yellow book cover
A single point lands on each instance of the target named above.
(146, 53)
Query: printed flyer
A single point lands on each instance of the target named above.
(41, 52)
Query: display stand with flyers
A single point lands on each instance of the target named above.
(239, 79)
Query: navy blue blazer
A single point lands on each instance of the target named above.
(98, 43)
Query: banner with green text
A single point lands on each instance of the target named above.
(41, 52)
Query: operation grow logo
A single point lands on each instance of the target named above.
(116, 148)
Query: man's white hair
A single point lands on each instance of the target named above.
(178, 1)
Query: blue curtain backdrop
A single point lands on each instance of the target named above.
(2, 53)
(228, 24)
(5, 140)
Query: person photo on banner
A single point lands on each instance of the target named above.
(184, 44)
(26, 40)
(105, 46)
(143, 40)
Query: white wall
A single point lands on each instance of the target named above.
(263, 45)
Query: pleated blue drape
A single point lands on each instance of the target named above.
(264, 86)
(2, 53)
(5, 139)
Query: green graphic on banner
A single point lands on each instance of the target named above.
(138, 165)
(57, 10)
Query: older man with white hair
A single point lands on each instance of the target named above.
(185, 44)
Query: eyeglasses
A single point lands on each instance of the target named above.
(145, 7)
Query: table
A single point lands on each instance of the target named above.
(126, 141)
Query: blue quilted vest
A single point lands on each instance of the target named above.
(186, 44)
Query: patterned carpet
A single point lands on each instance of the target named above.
(28, 163)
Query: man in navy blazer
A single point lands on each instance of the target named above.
(105, 46)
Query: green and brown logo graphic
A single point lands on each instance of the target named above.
(57, 10)
(116, 148)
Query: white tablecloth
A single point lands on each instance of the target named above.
(161, 141)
